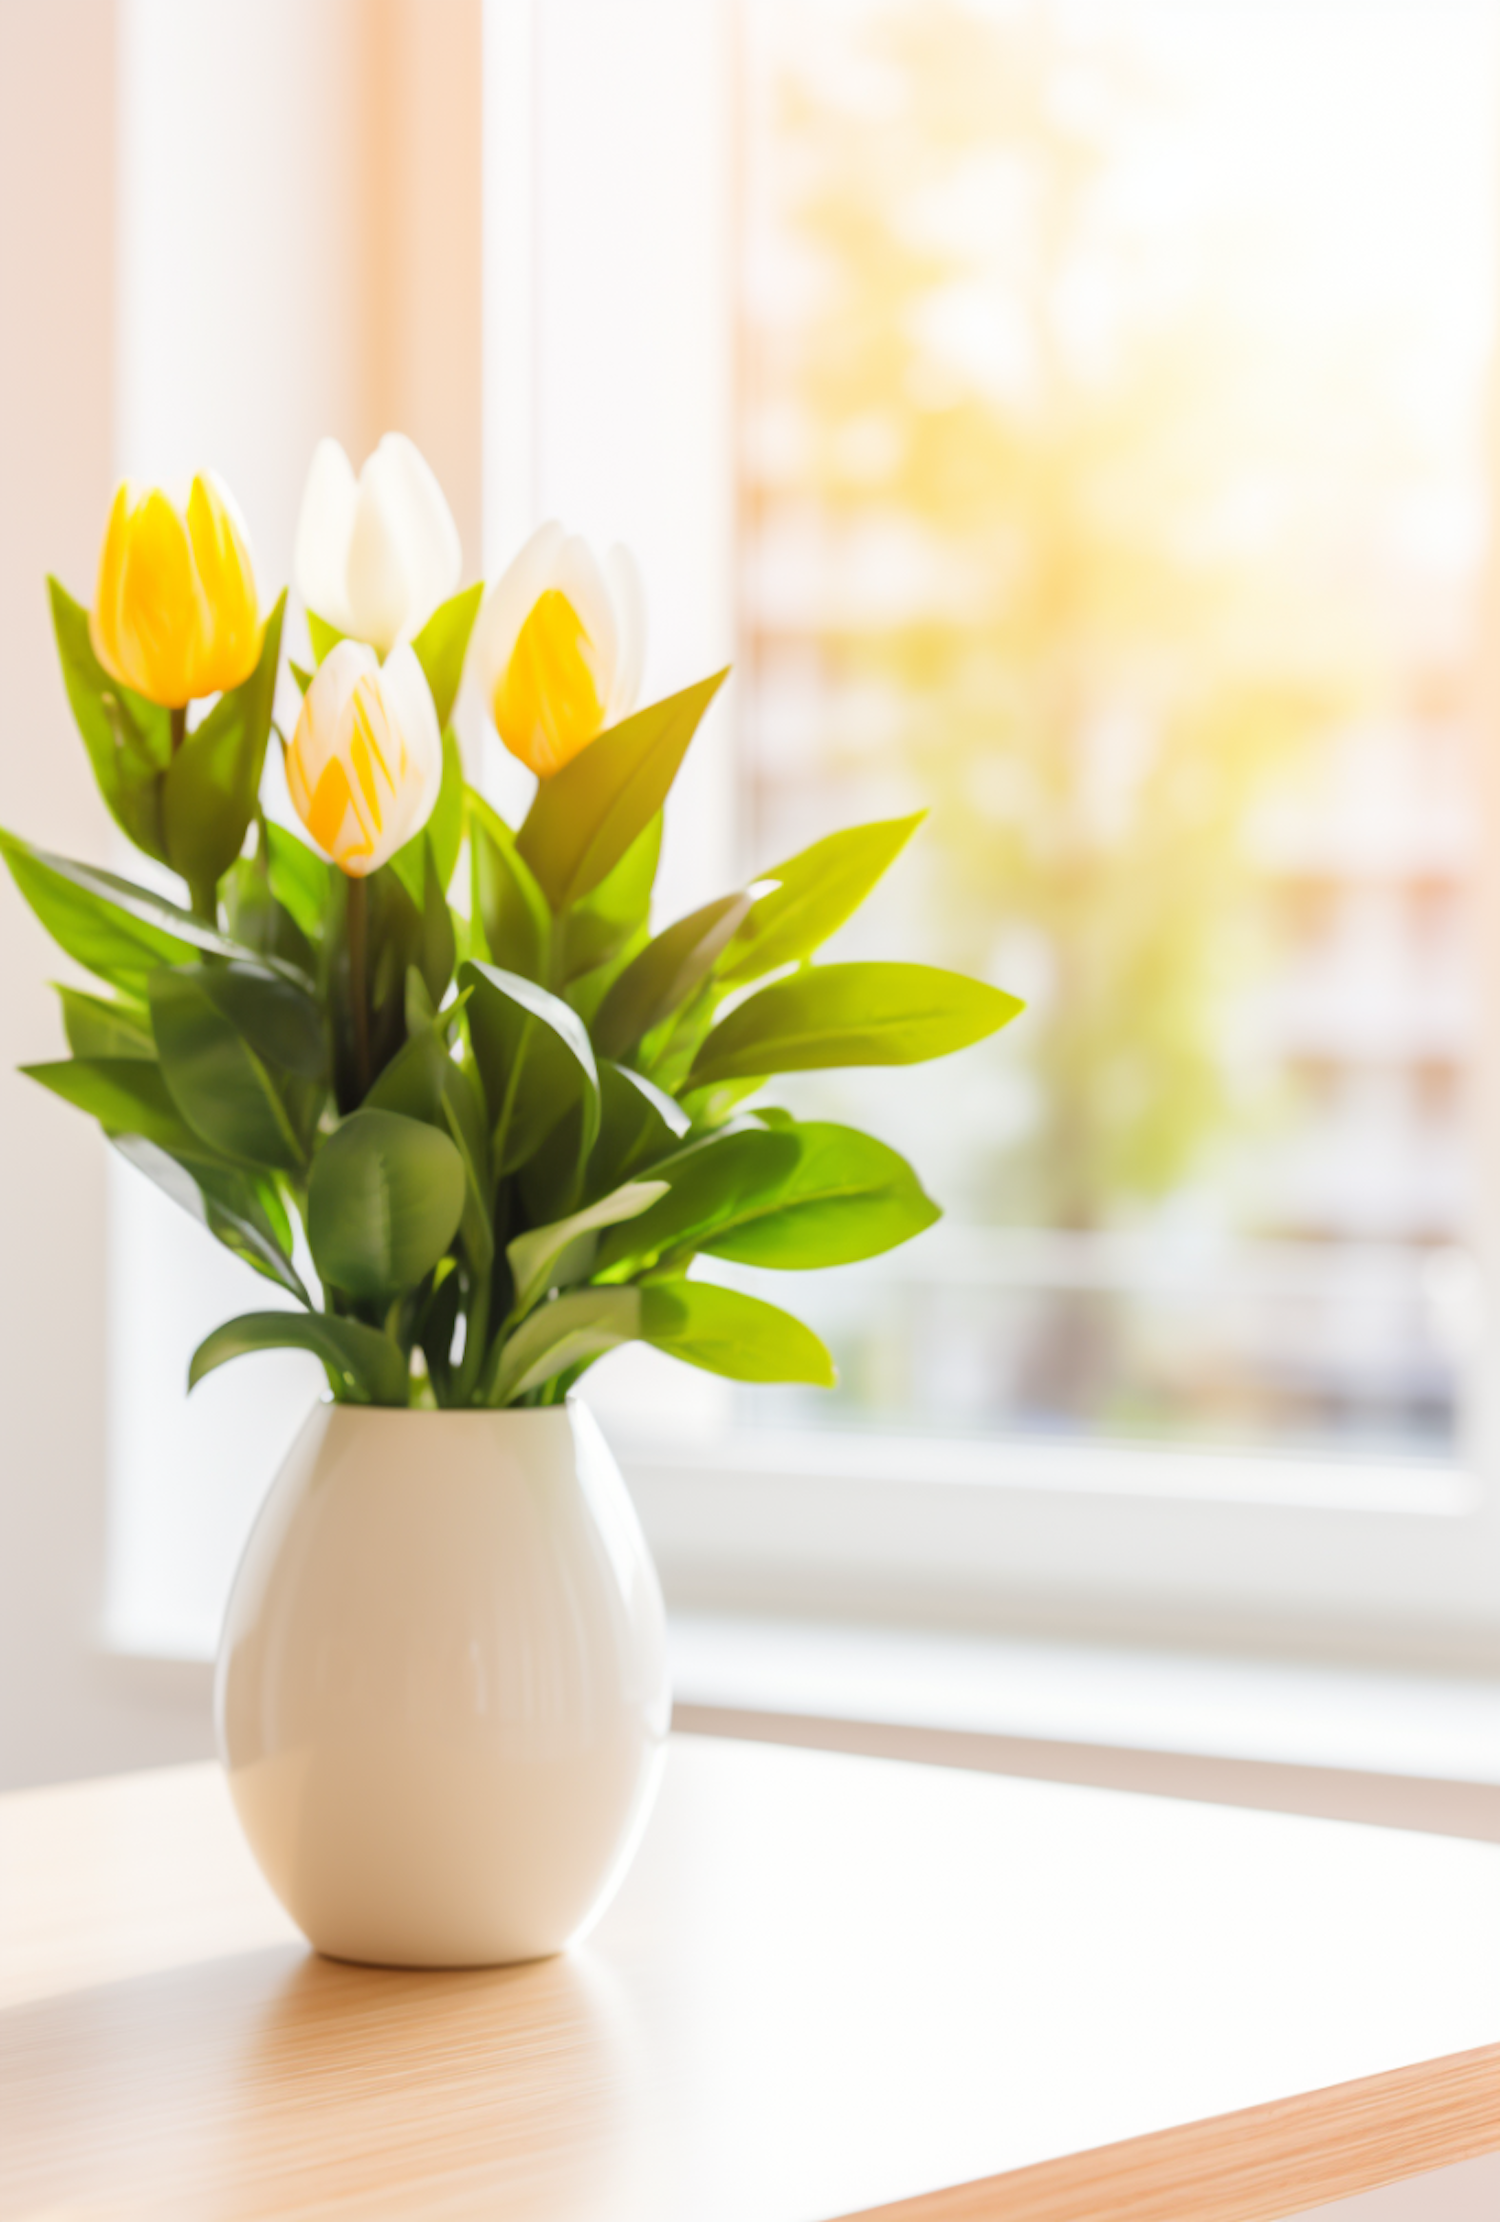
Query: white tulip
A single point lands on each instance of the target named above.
(366, 761)
(375, 554)
(558, 647)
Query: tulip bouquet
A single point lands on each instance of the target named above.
(475, 1144)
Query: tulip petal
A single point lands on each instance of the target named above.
(507, 606)
(229, 646)
(429, 538)
(380, 579)
(410, 707)
(365, 762)
(558, 649)
(547, 705)
(629, 597)
(106, 616)
(331, 818)
(325, 526)
(159, 622)
(314, 743)
(580, 577)
(325, 701)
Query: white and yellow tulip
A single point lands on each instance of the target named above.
(366, 761)
(375, 554)
(558, 648)
(176, 615)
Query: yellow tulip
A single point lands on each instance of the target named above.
(558, 647)
(176, 614)
(366, 761)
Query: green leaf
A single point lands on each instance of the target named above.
(738, 1336)
(565, 1333)
(366, 1367)
(279, 1021)
(852, 1014)
(299, 878)
(588, 991)
(324, 637)
(111, 927)
(129, 739)
(383, 1203)
(217, 1081)
(586, 816)
(716, 1183)
(258, 921)
(440, 648)
(707, 1108)
(511, 908)
(848, 1197)
(96, 1027)
(604, 922)
(535, 1062)
(551, 1182)
(221, 1199)
(412, 1083)
(668, 1051)
(439, 948)
(539, 1258)
(127, 1095)
(638, 1124)
(395, 941)
(443, 833)
(209, 793)
(422, 1081)
(420, 1009)
(816, 891)
(463, 1116)
(434, 1335)
(300, 673)
(666, 974)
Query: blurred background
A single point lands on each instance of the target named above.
(1074, 418)
(1113, 481)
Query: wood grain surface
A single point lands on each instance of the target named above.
(1246, 2167)
(831, 1986)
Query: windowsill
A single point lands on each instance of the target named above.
(1401, 1750)
(1386, 1560)
(1396, 1750)
(1437, 1727)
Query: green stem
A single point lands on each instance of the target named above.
(203, 894)
(476, 1335)
(357, 918)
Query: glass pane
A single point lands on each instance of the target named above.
(1112, 459)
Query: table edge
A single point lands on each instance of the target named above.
(1259, 2164)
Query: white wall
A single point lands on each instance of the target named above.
(224, 230)
(633, 350)
(60, 1712)
(609, 402)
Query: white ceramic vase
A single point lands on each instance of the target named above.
(442, 1696)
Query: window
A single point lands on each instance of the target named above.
(1070, 417)
(1113, 480)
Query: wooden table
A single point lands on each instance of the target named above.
(830, 1986)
